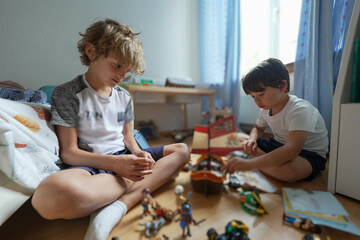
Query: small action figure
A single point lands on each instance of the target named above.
(153, 226)
(186, 217)
(161, 211)
(179, 190)
(302, 223)
(161, 217)
(251, 203)
(146, 201)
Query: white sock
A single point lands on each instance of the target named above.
(104, 220)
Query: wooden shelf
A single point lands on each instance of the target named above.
(343, 134)
(173, 92)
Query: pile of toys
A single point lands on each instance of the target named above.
(161, 215)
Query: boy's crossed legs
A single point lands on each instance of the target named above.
(75, 193)
(305, 166)
(291, 171)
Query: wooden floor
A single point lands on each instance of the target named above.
(218, 210)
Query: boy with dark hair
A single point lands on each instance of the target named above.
(300, 143)
(106, 171)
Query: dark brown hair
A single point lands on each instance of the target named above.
(269, 73)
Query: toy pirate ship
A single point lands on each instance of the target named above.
(212, 142)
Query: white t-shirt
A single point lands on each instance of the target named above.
(99, 120)
(298, 114)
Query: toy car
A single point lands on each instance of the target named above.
(234, 230)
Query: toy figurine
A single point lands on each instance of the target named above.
(251, 203)
(179, 189)
(161, 217)
(153, 226)
(149, 225)
(302, 223)
(146, 201)
(162, 212)
(234, 230)
(186, 217)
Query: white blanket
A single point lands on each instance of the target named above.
(28, 144)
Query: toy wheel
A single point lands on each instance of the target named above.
(211, 233)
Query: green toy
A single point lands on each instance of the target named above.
(251, 203)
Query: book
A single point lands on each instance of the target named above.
(320, 207)
(355, 76)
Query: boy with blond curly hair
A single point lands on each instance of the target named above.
(105, 171)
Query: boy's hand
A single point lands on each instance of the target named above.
(146, 155)
(250, 147)
(238, 164)
(134, 167)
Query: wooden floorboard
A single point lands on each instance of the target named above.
(218, 210)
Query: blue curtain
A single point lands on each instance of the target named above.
(220, 51)
(323, 26)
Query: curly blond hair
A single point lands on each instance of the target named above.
(110, 36)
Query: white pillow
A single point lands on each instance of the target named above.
(28, 144)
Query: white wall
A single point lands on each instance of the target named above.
(38, 43)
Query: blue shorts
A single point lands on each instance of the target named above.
(156, 153)
(316, 161)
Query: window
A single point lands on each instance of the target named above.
(269, 28)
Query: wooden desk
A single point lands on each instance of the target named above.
(132, 89)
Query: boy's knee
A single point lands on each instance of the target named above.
(289, 179)
(293, 174)
(282, 173)
(44, 199)
(54, 198)
(184, 151)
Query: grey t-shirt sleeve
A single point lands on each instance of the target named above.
(129, 114)
(64, 107)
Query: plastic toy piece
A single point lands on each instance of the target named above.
(234, 182)
(186, 218)
(234, 230)
(146, 201)
(162, 212)
(251, 203)
(302, 223)
(312, 236)
(219, 138)
(213, 141)
(160, 218)
(186, 215)
(206, 175)
(153, 226)
(179, 189)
